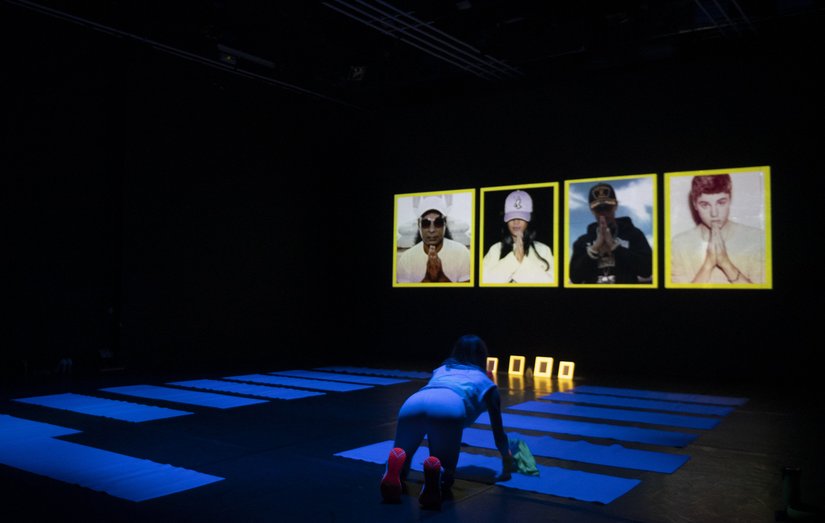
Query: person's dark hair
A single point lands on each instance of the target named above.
(707, 184)
(447, 233)
(507, 242)
(469, 350)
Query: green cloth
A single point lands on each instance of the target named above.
(524, 461)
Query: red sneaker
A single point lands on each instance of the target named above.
(391, 482)
(431, 493)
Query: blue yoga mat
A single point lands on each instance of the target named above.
(380, 372)
(555, 481)
(261, 391)
(106, 408)
(121, 476)
(300, 383)
(584, 452)
(595, 430)
(331, 376)
(636, 416)
(618, 401)
(17, 429)
(189, 397)
(659, 395)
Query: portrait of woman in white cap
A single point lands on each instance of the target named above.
(518, 257)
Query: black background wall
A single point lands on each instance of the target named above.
(186, 219)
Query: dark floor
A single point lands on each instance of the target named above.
(278, 460)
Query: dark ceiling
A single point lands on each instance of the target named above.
(374, 53)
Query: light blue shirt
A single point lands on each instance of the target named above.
(469, 382)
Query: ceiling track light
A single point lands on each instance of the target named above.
(724, 20)
(423, 36)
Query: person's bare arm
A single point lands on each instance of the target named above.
(493, 400)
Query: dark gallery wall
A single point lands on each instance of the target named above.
(169, 216)
(62, 221)
(188, 219)
(231, 250)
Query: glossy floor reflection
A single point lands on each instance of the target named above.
(272, 456)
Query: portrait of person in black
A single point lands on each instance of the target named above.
(613, 250)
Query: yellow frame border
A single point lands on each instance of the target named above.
(555, 246)
(513, 359)
(765, 171)
(569, 369)
(655, 223)
(470, 283)
(547, 373)
(494, 361)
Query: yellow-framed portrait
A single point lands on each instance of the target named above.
(610, 232)
(434, 241)
(519, 237)
(718, 229)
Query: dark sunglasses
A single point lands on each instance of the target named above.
(438, 222)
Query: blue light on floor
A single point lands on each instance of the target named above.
(660, 395)
(329, 386)
(584, 452)
(664, 438)
(94, 406)
(30, 446)
(380, 372)
(17, 429)
(616, 401)
(635, 416)
(331, 376)
(188, 397)
(261, 391)
(556, 481)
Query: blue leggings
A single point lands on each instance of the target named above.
(440, 415)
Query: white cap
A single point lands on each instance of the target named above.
(432, 203)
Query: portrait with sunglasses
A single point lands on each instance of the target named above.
(426, 223)
(434, 256)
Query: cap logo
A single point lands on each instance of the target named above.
(601, 192)
(517, 204)
(601, 195)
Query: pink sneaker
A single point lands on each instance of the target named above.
(431, 493)
(391, 482)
